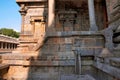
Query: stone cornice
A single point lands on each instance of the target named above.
(4, 38)
(19, 1)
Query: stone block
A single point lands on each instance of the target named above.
(86, 51)
(2, 66)
(62, 47)
(78, 42)
(115, 62)
(89, 42)
(76, 77)
(100, 42)
(115, 72)
(68, 47)
(87, 63)
(68, 40)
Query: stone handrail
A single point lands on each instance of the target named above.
(4, 38)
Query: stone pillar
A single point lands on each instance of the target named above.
(23, 13)
(5, 45)
(77, 62)
(13, 46)
(22, 24)
(51, 13)
(1, 45)
(33, 26)
(93, 26)
(9, 46)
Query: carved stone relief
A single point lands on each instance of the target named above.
(67, 19)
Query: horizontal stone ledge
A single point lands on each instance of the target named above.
(87, 51)
(115, 72)
(30, 0)
(38, 63)
(74, 33)
(35, 57)
(87, 63)
(76, 77)
(115, 62)
(2, 66)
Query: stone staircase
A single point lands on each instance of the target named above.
(108, 63)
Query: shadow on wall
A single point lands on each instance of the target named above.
(38, 65)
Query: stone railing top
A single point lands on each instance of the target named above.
(30, 0)
(4, 38)
(74, 33)
(2, 66)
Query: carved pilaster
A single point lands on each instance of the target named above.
(77, 62)
(23, 11)
(51, 4)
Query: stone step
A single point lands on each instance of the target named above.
(112, 71)
(115, 62)
(2, 66)
(76, 77)
(39, 63)
(33, 56)
(57, 77)
(116, 52)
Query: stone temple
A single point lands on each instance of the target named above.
(66, 40)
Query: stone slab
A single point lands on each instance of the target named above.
(39, 63)
(115, 62)
(2, 66)
(74, 33)
(113, 71)
(76, 77)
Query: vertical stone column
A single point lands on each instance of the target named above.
(5, 45)
(1, 45)
(93, 26)
(77, 62)
(23, 13)
(9, 46)
(51, 13)
(22, 24)
(33, 26)
(13, 46)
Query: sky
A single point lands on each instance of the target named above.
(9, 15)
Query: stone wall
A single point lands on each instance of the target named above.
(72, 17)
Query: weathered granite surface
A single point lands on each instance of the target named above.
(56, 44)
